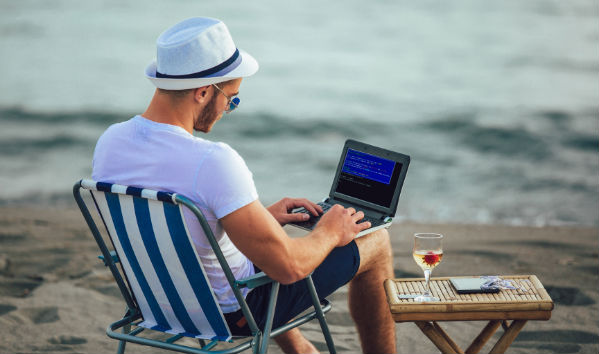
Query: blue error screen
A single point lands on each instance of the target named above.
(368, 177)
(368, 166)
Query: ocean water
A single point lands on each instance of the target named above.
(497, 103)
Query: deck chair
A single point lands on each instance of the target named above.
(162, 279)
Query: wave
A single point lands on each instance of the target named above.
(465, 128)
(516, 140)
(22, 115)
(268, 125)
(583, 142)
(56, 131)
(16, 146)
(506, 141)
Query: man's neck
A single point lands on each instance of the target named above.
(164, 110)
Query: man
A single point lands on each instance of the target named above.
(198, 73)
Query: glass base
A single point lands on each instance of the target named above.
(426, 298)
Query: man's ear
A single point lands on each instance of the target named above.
(201, 93)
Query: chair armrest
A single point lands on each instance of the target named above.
(254, 281)
(113, 255)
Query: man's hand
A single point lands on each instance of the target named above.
(342, 222)
(281, 210)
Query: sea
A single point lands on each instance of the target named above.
(496, 102)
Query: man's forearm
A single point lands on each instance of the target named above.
(306, 253)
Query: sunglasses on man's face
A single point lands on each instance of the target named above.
(232, 102)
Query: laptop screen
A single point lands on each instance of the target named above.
(368, 177)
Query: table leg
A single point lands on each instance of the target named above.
(447, 338)
(438, 339)
(508, 337)
(483, 337)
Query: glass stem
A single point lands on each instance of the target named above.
(427, 276)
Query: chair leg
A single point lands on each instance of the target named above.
(121, 348)
(272, 303)
(320, 315)
(122, 343)
(256, 343)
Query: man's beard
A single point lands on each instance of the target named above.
(207, 116)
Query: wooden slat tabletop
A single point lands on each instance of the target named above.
(530, 300)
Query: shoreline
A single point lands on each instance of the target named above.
(52, 284)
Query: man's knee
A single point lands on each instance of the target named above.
(378, 243)
(375, 251)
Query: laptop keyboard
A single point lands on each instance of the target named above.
(310, 223)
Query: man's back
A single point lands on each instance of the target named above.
(143, 153)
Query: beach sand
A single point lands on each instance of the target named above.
(56, 296)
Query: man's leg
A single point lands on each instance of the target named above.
(294, 342)
(341, 266)
(367, 299)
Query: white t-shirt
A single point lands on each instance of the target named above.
(143, 153)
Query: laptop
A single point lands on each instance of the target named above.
(369, 179)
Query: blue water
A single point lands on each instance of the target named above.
(496, 102)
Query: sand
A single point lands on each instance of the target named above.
(56, 296)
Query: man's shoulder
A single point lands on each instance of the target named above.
(222, 149)
(113, 132)
(223, 154)
(117, 128)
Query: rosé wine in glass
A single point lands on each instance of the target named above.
(428, 253)
(428, 259)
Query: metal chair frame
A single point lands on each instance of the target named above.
(258, 341)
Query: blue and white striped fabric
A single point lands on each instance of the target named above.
(166, 276)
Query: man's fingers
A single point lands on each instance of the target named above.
(357, 216)
(363, 226)
(296, 217)
(313, 208)
(337, 207)
(318, 208)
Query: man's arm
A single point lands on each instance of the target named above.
(258, 235)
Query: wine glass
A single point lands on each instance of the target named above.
(428, 252)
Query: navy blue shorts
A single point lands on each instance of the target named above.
(336, 270)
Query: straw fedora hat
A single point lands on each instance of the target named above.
(197, 52)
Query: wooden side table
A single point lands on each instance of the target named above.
(530, 302)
